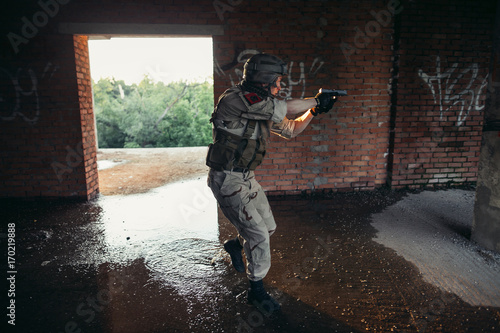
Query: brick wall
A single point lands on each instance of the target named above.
(342, 150)
(88, 145)
(445, 51)
(395, 126)
(41, 127)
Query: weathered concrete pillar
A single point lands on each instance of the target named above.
(486, 226)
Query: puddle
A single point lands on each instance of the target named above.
(107, 164)
(154, 262)
(186, 265)
(136, 225)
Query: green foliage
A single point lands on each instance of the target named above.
(152, 114)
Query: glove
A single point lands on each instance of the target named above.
(323, 100)
(323, 109)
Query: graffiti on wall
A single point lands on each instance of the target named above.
(297, 71)
(19, 98)
(296, 78)
(225, 6)
(456, 90)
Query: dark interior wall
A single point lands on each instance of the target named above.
(486, 226)
(392, 128)
(41, 127)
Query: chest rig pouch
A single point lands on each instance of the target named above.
(231, 151)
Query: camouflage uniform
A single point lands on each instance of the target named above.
(238, 193)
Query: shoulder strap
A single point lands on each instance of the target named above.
(251, 125)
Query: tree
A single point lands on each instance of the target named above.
(152, 114)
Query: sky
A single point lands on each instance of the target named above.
(163, 59)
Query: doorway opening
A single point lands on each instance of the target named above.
(153, 98)
(152, 101)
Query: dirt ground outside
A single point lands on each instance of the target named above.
(131, 171)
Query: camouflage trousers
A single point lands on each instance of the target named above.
(245, 205)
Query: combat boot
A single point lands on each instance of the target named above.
(259, 297)
(233, 247)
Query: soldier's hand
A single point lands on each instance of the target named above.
(324, 100)
(324, 109)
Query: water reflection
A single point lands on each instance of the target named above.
(167, 239)
(138, 226)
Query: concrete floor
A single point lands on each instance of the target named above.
(356, 262)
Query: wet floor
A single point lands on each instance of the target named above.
(154, 262)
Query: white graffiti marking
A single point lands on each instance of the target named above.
(448, 98)
(20, 98)
(221, 7)
(295, 77)
(11, 106)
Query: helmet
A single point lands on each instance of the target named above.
(263, 68)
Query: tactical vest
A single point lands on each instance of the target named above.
(231, 151)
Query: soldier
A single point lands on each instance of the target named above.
(243, 119)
